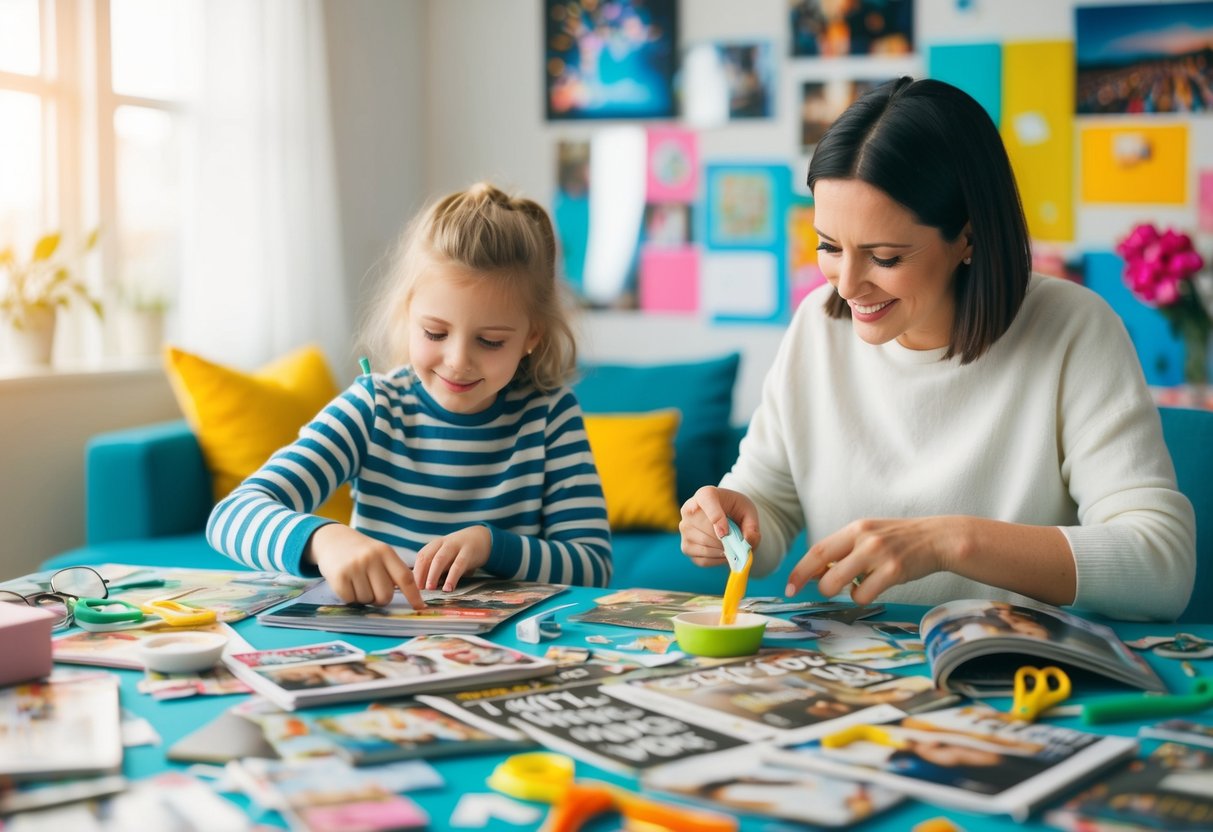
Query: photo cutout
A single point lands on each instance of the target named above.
(610, 58)
(832, 28)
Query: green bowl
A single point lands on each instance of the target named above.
(700, 633)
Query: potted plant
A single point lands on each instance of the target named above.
(140, 323)
(33, 291)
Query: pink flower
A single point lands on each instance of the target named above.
(1157, 263)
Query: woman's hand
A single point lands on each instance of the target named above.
(873, 555)
(704, 522)
(360, 569)
(455, 555)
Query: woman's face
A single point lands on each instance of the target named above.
(895, 274)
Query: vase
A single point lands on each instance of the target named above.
(31, 344)
(1196, 364)
(140, 332)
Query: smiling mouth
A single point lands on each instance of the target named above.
(870, 310)
(458, 386)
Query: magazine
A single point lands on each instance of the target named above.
(767, 695)
(742, 780)
(297, 678)
(233, 595)
(492, 708)
(972, 758)
(473, 607)
(66, 726)
(976, 646)
(1172, 789)
(379, 733)
(1179, 730)
(585, 723)
(120, 648)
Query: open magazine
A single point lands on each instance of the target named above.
(66, 726)
(335, 671)
(472, 607)
(768, 695)
(975, 646)
(972, 758)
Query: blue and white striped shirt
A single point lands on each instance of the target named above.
(522, 468)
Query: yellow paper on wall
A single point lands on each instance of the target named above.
(1037, 128)
(1135, 164)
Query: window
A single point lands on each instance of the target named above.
(96, 106)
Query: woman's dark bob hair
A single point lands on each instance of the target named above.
(933, 149)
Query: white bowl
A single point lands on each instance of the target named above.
(188, 651)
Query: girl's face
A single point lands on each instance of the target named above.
(466, 337)
(895, 274)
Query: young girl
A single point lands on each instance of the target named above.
(471, 453)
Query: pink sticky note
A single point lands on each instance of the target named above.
(673, 165)
(1204, 207)
(25, 643)
(669, 279)
(804, 280)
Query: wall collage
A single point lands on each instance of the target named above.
(1102, 119)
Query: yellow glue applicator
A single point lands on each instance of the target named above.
(740, 557)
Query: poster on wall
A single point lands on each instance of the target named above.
(822, 102)
(1145, 58)
(1135, 164)
(829, 28)
(724, 82)
(612, 59)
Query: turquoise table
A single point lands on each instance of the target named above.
(175, 718)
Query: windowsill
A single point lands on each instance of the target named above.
(79, 373)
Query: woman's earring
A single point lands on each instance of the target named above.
(968, 261)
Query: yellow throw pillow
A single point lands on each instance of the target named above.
(241, 418)
(634, 453)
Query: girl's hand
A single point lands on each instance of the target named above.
(874, 555)
(704, 523)
(360, 569)
(455, 555)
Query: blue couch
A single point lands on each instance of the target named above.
(148, 492)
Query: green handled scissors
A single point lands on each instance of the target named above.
(100, 615)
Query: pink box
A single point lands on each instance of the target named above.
(25, 643)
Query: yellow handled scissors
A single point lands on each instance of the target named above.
(548, 778)
(1037, 690)
(740, 558)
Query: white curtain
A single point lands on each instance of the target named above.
(263, 271)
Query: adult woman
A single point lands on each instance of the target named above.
(946, 424)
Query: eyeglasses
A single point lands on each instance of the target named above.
(66, 586)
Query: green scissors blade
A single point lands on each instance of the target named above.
(736, 550)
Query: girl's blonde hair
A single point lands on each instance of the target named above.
(506, 240)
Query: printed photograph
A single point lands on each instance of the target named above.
(612, 59)
(1142, 59)
(830, 28)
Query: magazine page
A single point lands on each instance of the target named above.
(973, 758)
(67, 726)
(233, 595)
(296, 678)
(379, 733)
(766, 695)
(474, 607)
(654, 609)
(491, 708)
(977, 645)
(743, 780)
(120, 648)
(585, 723)
(1171, 789)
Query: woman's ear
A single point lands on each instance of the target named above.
(967, 254)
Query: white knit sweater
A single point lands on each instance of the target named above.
(1053, 426)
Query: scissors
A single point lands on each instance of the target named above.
(1037, 690)
(740, 558)
(101, 615)
(548, 778)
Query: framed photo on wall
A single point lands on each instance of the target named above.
(613, 59)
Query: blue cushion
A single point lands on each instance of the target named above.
(702, 392)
